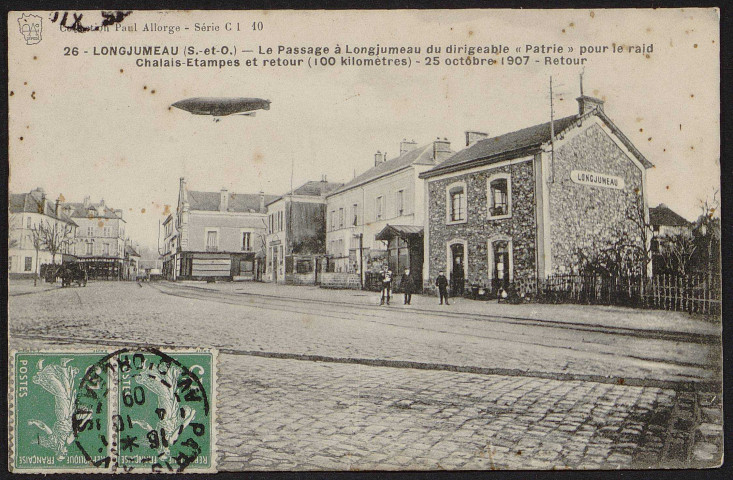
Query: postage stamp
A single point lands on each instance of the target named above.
(131, 410)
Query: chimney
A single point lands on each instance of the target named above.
(262, 201)
(223, 200)
(56, 206)
(441, 150)
(586, 104)
(406, 146)
(118, 213)
(378, 158)
(43, 202)
(323, 185)
(473, 137)
(101, 202)
(87, 201)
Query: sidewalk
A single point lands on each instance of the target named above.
(25, 286)
(596, 315)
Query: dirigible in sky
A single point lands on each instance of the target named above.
(222, 106)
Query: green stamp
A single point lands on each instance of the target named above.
(49, 407)
(165, 411)
(135, 409)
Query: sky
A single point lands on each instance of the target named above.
(101, 126)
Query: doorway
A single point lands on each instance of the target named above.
(458, 268)
(275, 264)
(501, 265)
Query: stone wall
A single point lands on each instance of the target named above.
(479, 227)
(585, 220)
(340, 280)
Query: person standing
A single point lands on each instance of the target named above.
(442, 283)
(386, 278)
(408, 286)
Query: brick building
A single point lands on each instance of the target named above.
(216, 235)
(378, 217)
(296, 233)
(521, 206)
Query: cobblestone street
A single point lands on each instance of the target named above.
(467, 393)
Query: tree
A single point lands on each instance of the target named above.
(636, 213)
(56, 236)
(677, 252)
(707, 236)
(38, 241)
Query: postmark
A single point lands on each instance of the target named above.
(135, 410)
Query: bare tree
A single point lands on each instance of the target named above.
(56, 236)
(38, 241)
(677, 252)
(636, 213)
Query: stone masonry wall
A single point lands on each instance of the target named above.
(590, 218)
(479, 227)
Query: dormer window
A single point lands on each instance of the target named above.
(499, 196)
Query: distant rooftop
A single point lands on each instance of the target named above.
(237, 202)
(313, 188)
(423, 155)
(662, 215)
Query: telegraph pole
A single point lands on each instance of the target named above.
(552, 136)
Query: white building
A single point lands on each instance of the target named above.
(26, 213)
(388, 194)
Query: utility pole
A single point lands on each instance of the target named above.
(361, 260)
(552, 136)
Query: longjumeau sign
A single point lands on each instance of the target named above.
(597, 179)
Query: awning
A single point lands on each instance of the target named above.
(405, 231)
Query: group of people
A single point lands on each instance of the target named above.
(407, 283)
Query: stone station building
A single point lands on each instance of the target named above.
(516, 208)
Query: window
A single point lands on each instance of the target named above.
(246, 241)
(105, 249)
(10, 264)
(379, 208)
(280, 218)
(90, 231)
(456, 203)
(28, 264)
(90, 248)
(28, 222)
(303, 266)
(107, 231)
(499, 196)
(355, 214)
(355, 242)
(400, 202)
(333, 220)
(341, 218)
(212, 241)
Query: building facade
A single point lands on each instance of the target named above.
(389, 194)
(296, 234)
(31, 219)
(516, 208)
(100, 238)
(218, 235)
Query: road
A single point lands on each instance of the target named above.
(324, 383)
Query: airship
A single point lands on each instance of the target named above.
(220, 107)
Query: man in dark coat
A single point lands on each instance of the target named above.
(408, 285)
(442, 283)
(386, 278)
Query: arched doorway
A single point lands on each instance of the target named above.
(501, 262)
(457, 256)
